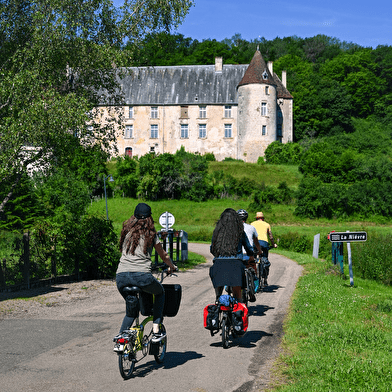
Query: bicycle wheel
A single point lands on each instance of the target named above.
(260, 276)
(126, 361)
(225, 333)
(161, 349)
(251, 284)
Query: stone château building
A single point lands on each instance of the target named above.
(229, 110)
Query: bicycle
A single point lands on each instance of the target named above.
(262, 266)
(230, 317)
(133, 344)
(248, 293)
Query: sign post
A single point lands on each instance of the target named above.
(348, 237)
(166, 220)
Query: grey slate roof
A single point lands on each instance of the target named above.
(182, 85)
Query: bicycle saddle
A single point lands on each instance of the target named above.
(131, 289)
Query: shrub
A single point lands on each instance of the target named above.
(372, 259)
(295, 242)
(210, 157)
(283, 154)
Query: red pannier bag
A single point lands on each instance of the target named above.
(245, 319)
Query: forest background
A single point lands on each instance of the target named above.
(336, 173)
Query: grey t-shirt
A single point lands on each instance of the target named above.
(250, 232)
(139, 262)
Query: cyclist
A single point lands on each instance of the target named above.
(252, 235)
(138, 238)
(265, 234)
(226, 246)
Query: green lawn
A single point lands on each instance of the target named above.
(337, 337)
(193, 217)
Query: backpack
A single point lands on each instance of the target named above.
(211, 317)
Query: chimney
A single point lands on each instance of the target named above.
(284, 78)
(270, 67)
(218, 64)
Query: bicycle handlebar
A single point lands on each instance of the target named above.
(163, 267)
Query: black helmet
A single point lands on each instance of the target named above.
(243, 214)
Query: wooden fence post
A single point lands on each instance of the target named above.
(54, 262)
(26, 259)
(2, 275)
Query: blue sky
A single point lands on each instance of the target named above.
(366, 23)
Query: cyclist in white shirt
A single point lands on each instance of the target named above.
(253, 238)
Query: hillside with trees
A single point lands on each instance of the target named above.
(342, 114)
(51, 168)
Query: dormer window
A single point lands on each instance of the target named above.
(265, 75)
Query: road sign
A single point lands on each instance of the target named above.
(348, 236)
(166, 220)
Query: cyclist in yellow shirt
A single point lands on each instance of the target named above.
(265, 235)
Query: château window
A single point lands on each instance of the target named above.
(264, 130)
(128, 132)
(154, 111)
(264, 108)
(266, 90)
(130, 112)
(227, 111)
(202, 111)
(202, 131)
(228, 130)
(154, 131)
(184, 111)
(184, 131)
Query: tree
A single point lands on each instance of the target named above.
(358, 74)
(57, 63)
(126, 175)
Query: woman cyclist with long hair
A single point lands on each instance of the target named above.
(138, 238)
(228, 239)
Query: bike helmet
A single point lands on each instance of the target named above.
(243, 214)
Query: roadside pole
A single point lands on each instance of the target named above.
(348, 237)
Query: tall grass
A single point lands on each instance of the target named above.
(269, 174)
(199, 217)
(337, 337)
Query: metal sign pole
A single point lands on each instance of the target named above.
(350, 264)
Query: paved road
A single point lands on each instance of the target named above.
(72, 350)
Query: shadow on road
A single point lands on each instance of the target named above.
(259, 310)
(271, 289)
(249, 340)
(172, 360)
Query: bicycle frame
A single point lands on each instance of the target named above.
(135, 340)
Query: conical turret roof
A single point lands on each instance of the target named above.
(257, 72)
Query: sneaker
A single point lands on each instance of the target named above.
(265, 282)
(118, 348)
(157, 337)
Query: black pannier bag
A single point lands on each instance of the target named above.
(211, 317)
(237, 321)
(146, 304)
(172, 299)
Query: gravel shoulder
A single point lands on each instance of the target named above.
(41, 301)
